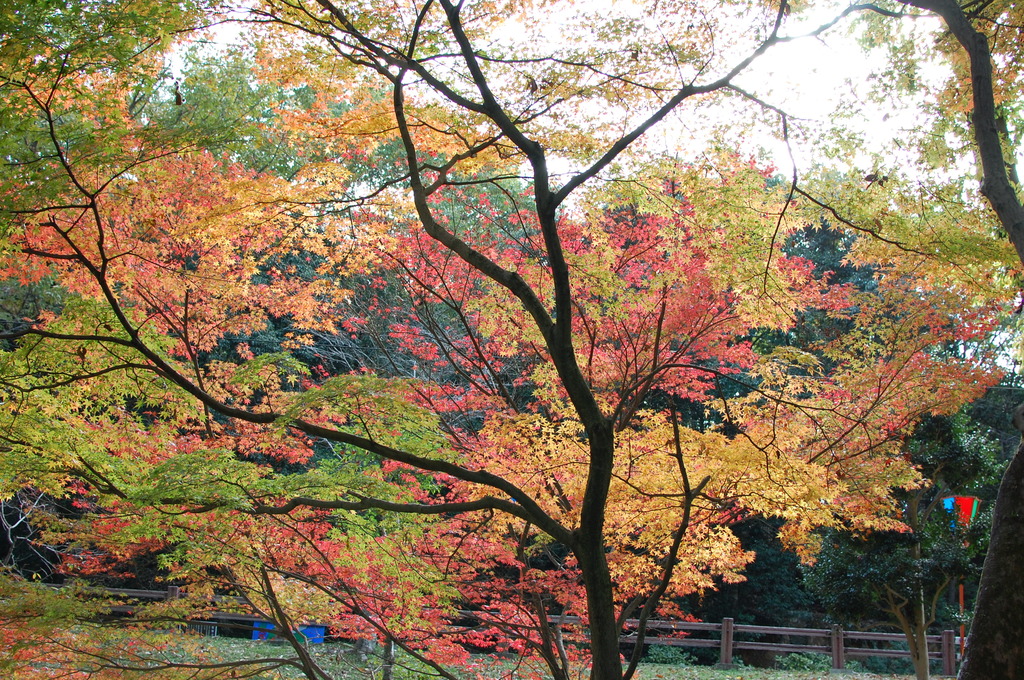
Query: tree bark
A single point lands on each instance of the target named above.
(917, 631)
(604, 630)
(919, 645)
(910, 616)
(388, 669)
(589, 549)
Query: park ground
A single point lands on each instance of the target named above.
(346, 666)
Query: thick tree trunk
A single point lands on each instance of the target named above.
(588, 546)
(994, 648)
(604, 631)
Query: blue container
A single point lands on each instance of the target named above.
(314, 634)
(264, 630)
(261, 630)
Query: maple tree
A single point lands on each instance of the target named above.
(517, 450)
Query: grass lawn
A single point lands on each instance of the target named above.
(660, 672)
(344, 665)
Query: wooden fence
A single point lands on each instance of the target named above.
(839, 644)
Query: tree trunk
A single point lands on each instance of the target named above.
(604, 631)
(910, 615)
(919, 643)
(589, 548)
(388, 669)
(994, 649)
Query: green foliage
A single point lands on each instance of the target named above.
(100, 34)
(861, 579)
(668, 654)
(232, 111)
(956, 454)
(804, 662)
(381, 409)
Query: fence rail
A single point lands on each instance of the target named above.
(835, 642)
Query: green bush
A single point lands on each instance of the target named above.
(667, 654)
(804, 662)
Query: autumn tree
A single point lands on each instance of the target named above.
(555, 290)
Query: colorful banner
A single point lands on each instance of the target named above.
(962, 508)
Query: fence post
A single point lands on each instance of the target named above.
(948, 652)
(173, 593)
(838, 650)
(725, 652)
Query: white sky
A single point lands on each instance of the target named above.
(807, 78)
